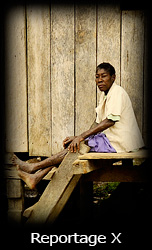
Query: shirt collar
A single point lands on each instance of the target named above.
(111, 88)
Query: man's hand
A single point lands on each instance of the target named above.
(75, 144)
(67, 141)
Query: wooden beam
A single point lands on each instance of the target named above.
(118, 174)
(54, 194)
(53, 191)
(140, 154)
(64, 198)
(85, 166)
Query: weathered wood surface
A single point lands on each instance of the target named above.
(62, 74)
(62, 48)
(84, 166)
(63, 199)
(39, 99)
(53, 192)
(15, 81)
(132, 58)
(108, 36)
(57, 192)
(85, 64)
(10, 172)
(140, 154)
(14, 188)
(15, 198)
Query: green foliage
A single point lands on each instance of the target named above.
(103, 190)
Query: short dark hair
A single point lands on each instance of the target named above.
(107, 66)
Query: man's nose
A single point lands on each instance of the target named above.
(100, 79)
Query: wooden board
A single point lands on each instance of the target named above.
(15, 81)
(53, 192)
(132, 155)
(108, 36)
(132, 59)
(57, 191)
(84, 166)
(39, 104)
(85, 65)
(62, 73)
(63, 199)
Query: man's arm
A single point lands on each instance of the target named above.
(75, 144)
(69, 139)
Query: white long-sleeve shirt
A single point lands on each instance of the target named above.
(124, 135)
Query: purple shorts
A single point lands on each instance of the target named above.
(100, 143)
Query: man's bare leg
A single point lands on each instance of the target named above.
(33, 179)
(32, 167)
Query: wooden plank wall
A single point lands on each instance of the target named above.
(62, 73)
(51, 57)
(16, 81)
(38, 71)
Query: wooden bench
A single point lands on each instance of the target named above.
(113, 167)
(109, 167)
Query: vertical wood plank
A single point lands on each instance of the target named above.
(108, 36)
(147, 123)
(132, 59)
(62, 73)
(85, 65)
(39, 103)
(15, 81)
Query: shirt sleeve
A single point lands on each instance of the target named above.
(114, 118)
(115, 104)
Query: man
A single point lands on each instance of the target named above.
(114, 130)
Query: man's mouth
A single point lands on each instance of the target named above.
(101, 86)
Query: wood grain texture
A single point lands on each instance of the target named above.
(57, 191)
(85, 65)
(54, 191)
(132, 59)
(108, 37)
(62, 73)
(58, 60)
(39, 103)
(142, 153)
(15, 81)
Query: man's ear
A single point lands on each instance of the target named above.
(113, 77)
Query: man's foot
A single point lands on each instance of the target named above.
(25, 166)
(29, 179)
(33, 179)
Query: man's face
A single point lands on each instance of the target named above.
(104, 80)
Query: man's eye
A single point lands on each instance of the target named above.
(97, 76)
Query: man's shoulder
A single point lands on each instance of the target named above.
(119, 89)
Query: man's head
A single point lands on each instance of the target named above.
(105, 76)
